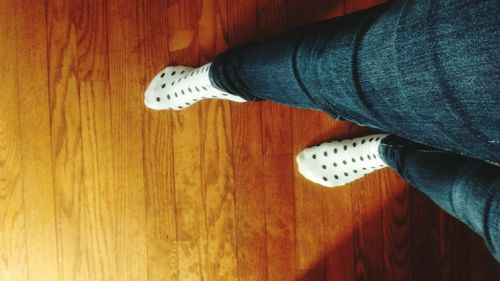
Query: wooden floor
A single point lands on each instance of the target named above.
(95, 187)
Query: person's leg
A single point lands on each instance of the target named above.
(425, 70)
(466, 188)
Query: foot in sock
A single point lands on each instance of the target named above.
(178, 87)
(337, 163)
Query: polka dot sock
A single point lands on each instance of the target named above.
(178, 87)
(337, 163)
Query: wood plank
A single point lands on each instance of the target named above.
(247, 148)
(219, 189)
(91, 24)
(280, 217)
(454, 248)
(217, 155)
(126, 25)
(66, 141)
(368, 232)
(397, 225)
(189, 193)
(278, 162)
(34, 126)
(339, 222)
(99, 195)
(481, 264)
(158, 157)
(250, 194)
(426, 260)
(12, 216)
(309, 204)
(352, 6)
(368, 236)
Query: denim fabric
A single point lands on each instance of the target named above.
(466, 188)
(428, 71)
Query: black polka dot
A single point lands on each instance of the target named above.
(354, 144)
(173, 82)
(195, 99)
(163, 86)
(361, 158)
(158, 99)
(363, 141)
(364, 168)
(345, 162)
(355, 171)
(370, 140)
(179, 80)
(204, 88)
(325, 154)
(336, 177)
(224, 94)
(325, 179)
(173, 73)
(346, 174)
(334, 164)
(189, 89)
(180, 107)
(377, 139)
(214, 96)
(162, 75)
(353, 160)
(368, 157)
(182, 91)
(345, 147)
(168, 96)
(314, 156)
(335, 151)
(324, 167)
(182, 72)
(187, 103)
(175, 94)
(192, 73)
(374, 156)
(197, 89)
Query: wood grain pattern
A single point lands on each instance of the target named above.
(278, 163)
(34, 127)
(91, 24)
(247, 150)
(158, 157)
(125, 36)
(98, 195)
(93, 186)
(13, 252)
(217, 152)
(66, 141)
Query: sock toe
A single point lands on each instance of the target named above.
(178, 87)
(338, 163)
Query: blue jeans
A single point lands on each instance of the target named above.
(425, 71)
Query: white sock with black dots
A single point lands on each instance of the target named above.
(337, 163)
(177, 87)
